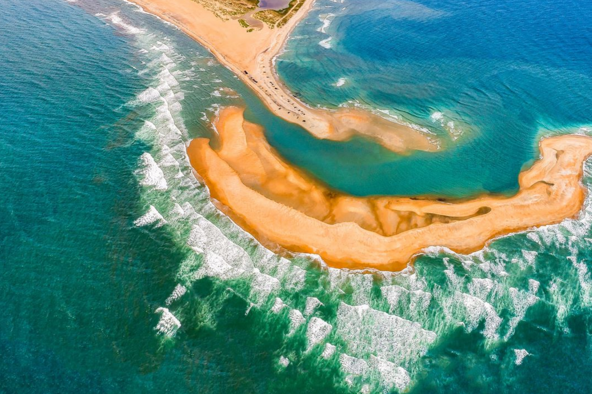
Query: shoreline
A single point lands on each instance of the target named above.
(251, 57)
(280, 205)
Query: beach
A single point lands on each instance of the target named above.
(124, 271)
(283, 206)
(279, 204)
(250, 55)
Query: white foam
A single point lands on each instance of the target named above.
(529, 258)
(149, 95)
(168, 323)
(116, 20)
(390, 374)
(576, 228)
(278, 305)
(481, 287)
(326, 43)
(533, 236)
(295, 279)
(146, 132)
(353, 365)
(585, 283)
(160, 47)
(326, 19)
(153, 175)
(563, 298)
(337, 278)
(478, 310)
(328, 351)
(150, 217)
(340, 82)
(520, 355)
(169, 161)
(205, 236)
(454, 131)
(215, 266)
(296, 319)
(167, 61)
(317, 330)
(177, 293)
(533, 286)
(437, 116)
(415, 300)
(168, 78)
(311, 304)
(282, 267)
(263, 285)
(284, 362)
(391, 337)
(362, 286)
(521, 301)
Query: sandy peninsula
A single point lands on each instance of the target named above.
(280, 204)
(250, 53)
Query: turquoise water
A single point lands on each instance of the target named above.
(119, 276)
(495, 73)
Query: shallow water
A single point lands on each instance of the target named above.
(495, 74)
(102, 225)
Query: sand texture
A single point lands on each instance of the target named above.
(280, 204)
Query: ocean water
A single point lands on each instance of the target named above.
(492, 75)
(117, 275)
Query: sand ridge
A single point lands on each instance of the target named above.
(250, 55)
(278, 203)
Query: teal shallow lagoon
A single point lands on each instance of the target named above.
(489, 71)
(102, 223)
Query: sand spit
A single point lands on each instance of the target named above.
(280, 204)
(250, 55)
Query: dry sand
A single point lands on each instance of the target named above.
(253, 53)
(280, 204)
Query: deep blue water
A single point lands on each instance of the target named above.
(102, 224)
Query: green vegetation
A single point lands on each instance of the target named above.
(229, 9)
(279, 18)
(243, 23)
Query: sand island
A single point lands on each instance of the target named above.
(281, 205)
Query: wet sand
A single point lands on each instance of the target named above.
(280, 204)
(250, 55)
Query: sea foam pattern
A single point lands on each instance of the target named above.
(112, 282)
(374, 327)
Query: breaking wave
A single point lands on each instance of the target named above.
(377, 328)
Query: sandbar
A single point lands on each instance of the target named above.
(250, 54)
(280, 204)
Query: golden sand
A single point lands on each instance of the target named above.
(250, 56)
(280, 204)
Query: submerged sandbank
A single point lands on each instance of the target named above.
(280, 204)
(249, 53)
